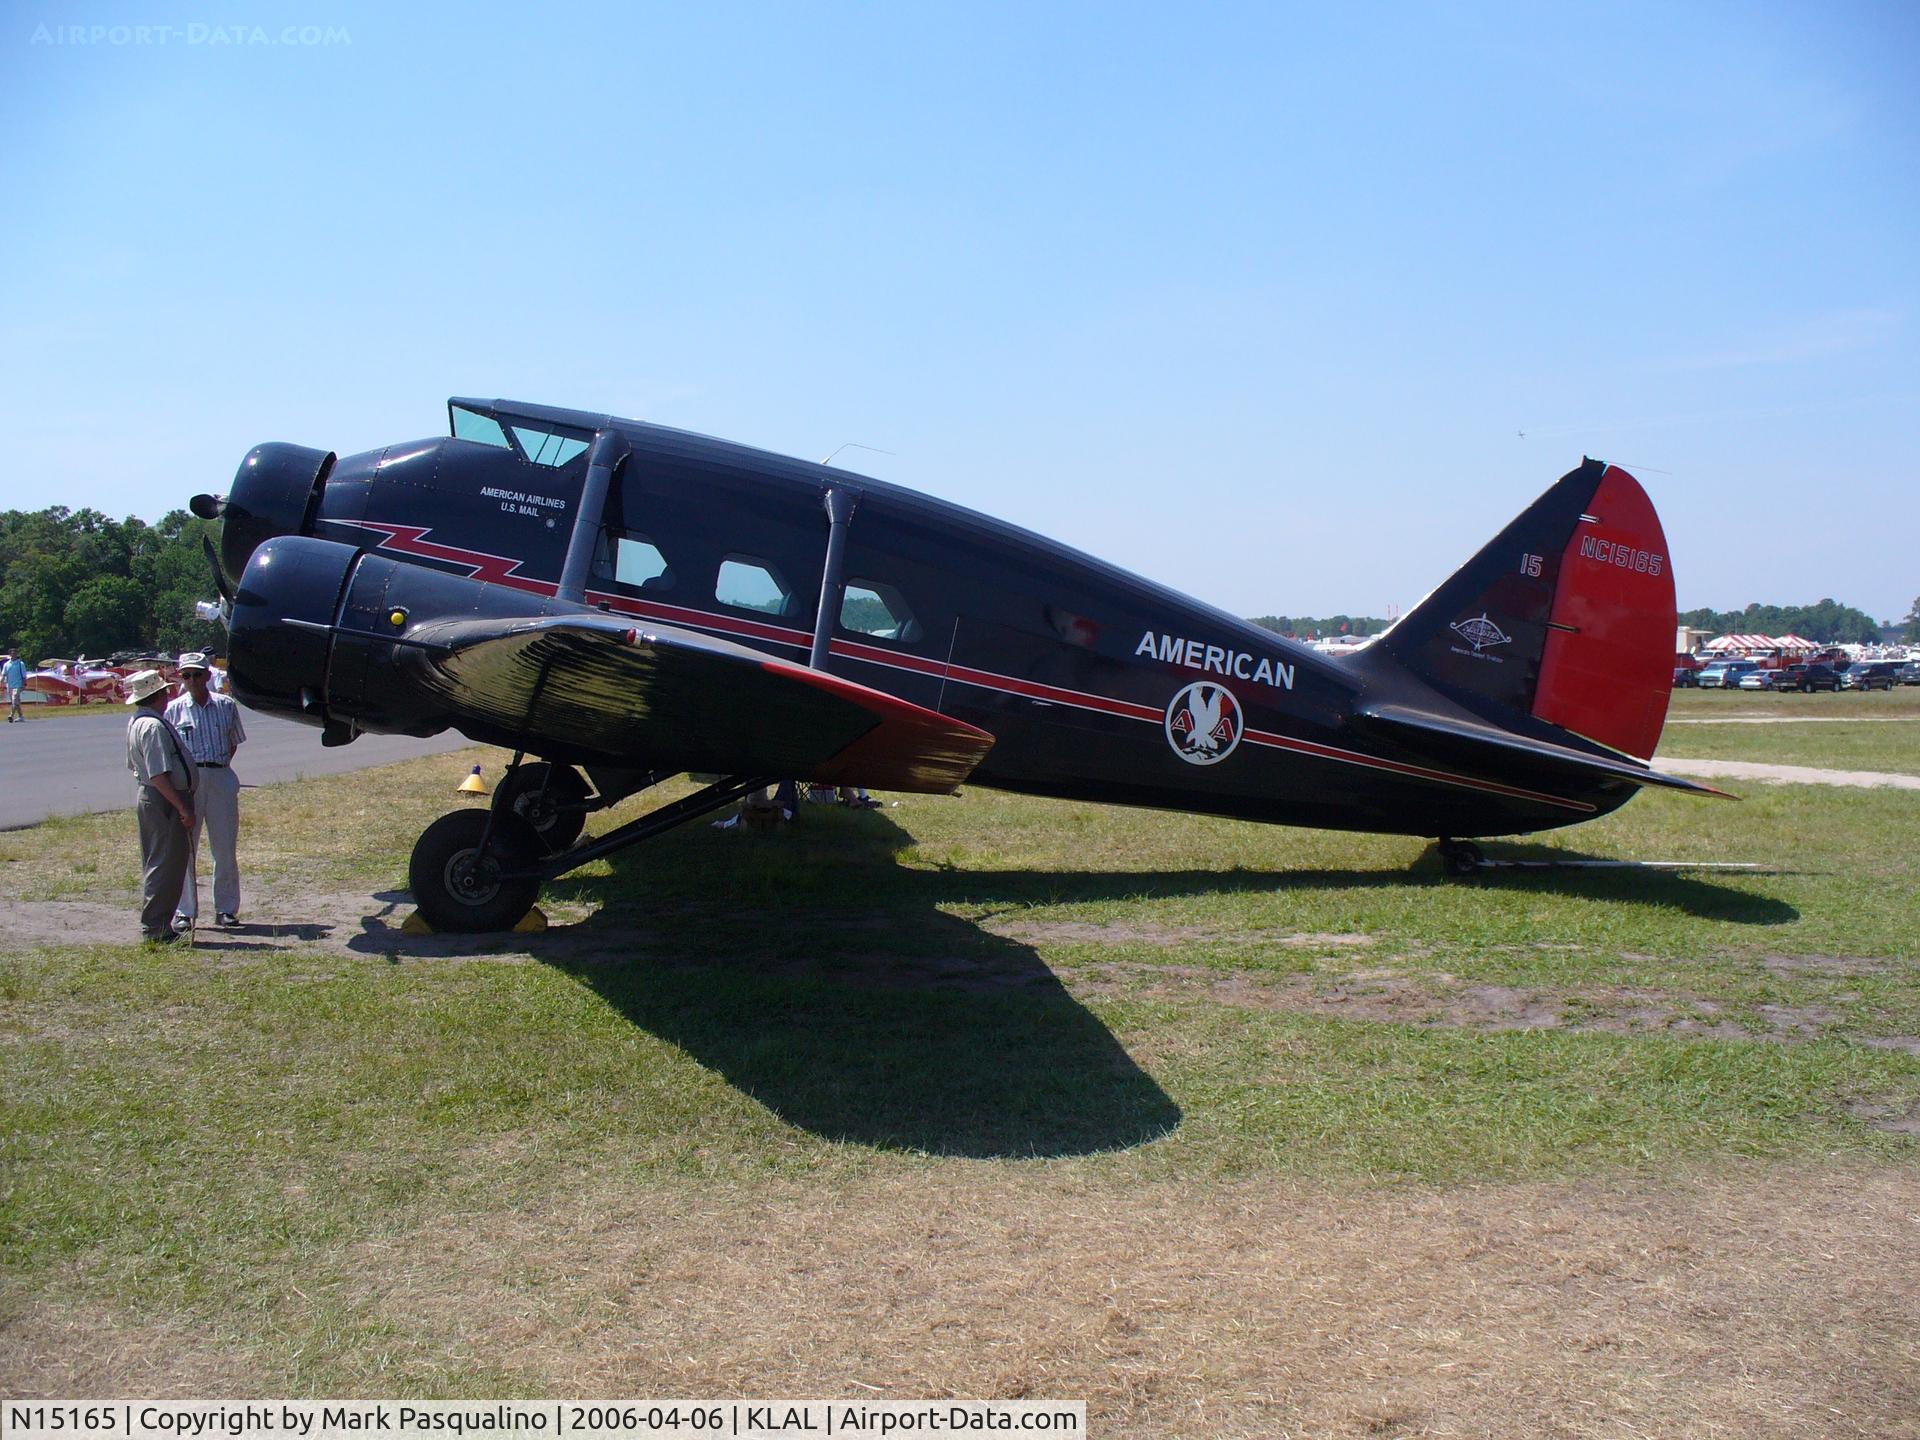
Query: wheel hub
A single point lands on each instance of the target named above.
(537, 810)
(473, 878)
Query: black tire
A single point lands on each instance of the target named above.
(460, 890)
(1461, 857)
(556, 826)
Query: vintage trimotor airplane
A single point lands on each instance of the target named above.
(627, 602)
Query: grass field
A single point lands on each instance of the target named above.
(1226, 1129)
(1875, 731)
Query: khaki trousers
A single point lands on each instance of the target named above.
(164, 843)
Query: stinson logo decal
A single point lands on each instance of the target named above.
(1204, 723)
(1481, 633)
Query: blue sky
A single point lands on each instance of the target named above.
(1252, 299)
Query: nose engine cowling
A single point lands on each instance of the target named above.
(276, 491)
(280, 634)
(330, 634)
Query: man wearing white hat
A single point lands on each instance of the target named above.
(159, 761)
(210, 724)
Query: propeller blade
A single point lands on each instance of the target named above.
(208, 507)
(213, 560)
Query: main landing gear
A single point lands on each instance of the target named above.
(473, 871)
(1460, 857)
(550, 798)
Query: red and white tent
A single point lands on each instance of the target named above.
(1761, 645)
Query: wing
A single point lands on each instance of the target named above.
(675, 699)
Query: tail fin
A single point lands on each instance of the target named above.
(1567, 616)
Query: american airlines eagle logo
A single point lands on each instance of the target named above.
(1203, 723)
(1480, 633)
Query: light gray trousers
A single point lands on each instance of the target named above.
(216, 812)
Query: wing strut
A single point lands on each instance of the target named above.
(608, 450)
(840, 501)
(655, 822)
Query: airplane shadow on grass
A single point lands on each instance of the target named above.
(821, 977)
(813, 984)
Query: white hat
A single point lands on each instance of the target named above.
(193, 660)
(144, 683)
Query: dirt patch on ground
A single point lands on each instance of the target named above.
(1765, 1302)
(280, 920)
(1895, 1117)
(52, 1349)
(1440, 999)
(1824, 964)
(1083, 932)
(1787, 774)
(68, 922)
(1907, 1044)
(1799, 720)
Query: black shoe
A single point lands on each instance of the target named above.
(226, 920)
(167, 939)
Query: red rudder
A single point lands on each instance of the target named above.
(1607, 668)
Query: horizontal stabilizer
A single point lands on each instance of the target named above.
(678, 700)
(1476, 745)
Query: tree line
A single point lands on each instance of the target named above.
(75, 582)
(1309, 627)
(1826, 621)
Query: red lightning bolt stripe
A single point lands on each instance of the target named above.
(502, 570)
(481, 564)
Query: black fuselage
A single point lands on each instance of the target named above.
(1085, 675)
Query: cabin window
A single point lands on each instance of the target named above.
(637, 563)
(872, 608)
(543, 448)
(472, 425)
(750, 584)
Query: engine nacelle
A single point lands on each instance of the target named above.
(276, 491)
(321, 632)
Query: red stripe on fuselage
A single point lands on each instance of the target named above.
(500, 570)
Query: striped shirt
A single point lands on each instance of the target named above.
(212, 731)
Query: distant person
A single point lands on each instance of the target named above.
(210, 725)
(160, 762)
(13, 675)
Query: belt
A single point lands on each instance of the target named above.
(211, 764)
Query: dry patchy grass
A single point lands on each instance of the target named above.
(1712, 1305)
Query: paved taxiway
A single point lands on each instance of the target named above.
(74, 764)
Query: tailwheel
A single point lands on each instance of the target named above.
(1461, 857)
(550, 798)
(459, 887)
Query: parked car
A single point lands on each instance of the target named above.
(1909, 673)
(1869, 675)
(1813, 676)
(1685, 678)
(1755, 680)
(1724, 674)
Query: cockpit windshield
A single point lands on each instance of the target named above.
(547, 449)
(531, 443)
(472, 425)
